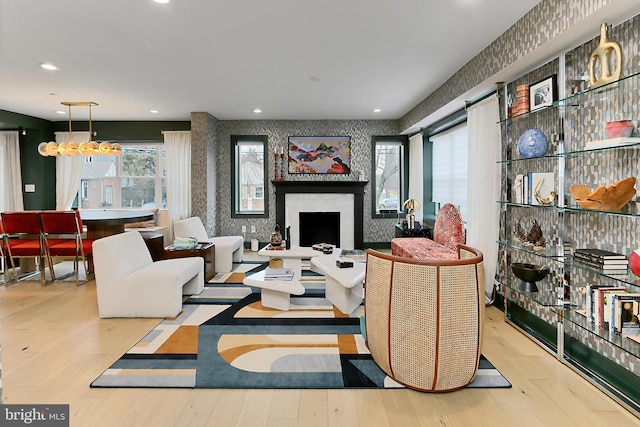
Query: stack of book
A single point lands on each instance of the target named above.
(609, 263)
(354, 255)
(285, 273)
(185, 243)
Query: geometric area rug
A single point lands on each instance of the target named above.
(225, 338)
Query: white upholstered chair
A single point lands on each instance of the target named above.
(130, 284)
(228, 249)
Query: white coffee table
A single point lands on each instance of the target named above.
(343, 285)
(291, 258)
(275, 293)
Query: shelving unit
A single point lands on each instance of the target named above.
(550, 315)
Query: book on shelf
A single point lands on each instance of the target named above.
(285, 273)
(612, 142)
(597, 302)
(624, 312)
(599, 254)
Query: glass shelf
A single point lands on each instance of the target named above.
(546, 295)
(548, 252)
(577, 99)
(526, 205)
(630, 210)
(626, 344)
(628, 278)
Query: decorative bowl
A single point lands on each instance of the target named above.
(528, 274)
(619, 129)
(611, 198)
(532, 143)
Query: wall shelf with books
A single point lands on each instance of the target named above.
(580, 150)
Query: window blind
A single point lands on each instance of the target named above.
(449, 164)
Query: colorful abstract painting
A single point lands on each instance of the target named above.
(320, 154)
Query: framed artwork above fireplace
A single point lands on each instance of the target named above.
(319, 154)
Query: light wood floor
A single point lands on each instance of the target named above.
(54, 345)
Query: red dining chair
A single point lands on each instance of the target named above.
(23, 238)
(63, 237)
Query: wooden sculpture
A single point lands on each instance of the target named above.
(610, 198)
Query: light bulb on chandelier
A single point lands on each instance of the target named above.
(84, 148)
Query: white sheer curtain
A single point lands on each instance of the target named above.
(416, 175)
(10, 175)
(483, 214)
(177, 147)
(68, 171)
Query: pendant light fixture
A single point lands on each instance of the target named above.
(84, 148)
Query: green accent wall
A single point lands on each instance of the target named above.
(41, 171)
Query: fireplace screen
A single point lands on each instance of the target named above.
(319, 227)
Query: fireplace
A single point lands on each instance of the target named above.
(345, 197)
(319, 227)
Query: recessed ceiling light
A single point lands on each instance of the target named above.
(161, 1)
(154, 111)
(48, 66)
(377, 110)
(60, 112)
(257, 110)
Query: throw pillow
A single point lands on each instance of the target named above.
(449, 227)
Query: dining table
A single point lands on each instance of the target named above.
(102, 223)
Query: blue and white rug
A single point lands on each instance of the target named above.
(225, 338)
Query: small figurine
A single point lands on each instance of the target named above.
(276, 237)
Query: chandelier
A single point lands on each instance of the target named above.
(83, 148)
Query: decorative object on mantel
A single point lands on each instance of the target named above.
(608, 52)
(532, 143)
(411, 205)
(533, 238)
(278, 165)
(84, 148)
(619, 129)
(528, 274)
(276, 237)
(610, 198)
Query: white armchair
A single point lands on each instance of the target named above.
(228, 249)
(130, 284)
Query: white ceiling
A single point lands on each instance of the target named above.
(294, 59)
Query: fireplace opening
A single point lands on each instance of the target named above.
(319, 227)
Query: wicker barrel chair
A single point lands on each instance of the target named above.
(423, 319)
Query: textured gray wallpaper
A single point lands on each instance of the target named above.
(544, 22)
(277, 131)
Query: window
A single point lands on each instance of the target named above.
(248, 188)
(389, 175)
(134, 180)
(449, 166)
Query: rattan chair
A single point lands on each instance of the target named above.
(423, 319)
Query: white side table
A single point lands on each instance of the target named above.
(275, 293)
(344, 285)
(290, 257)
